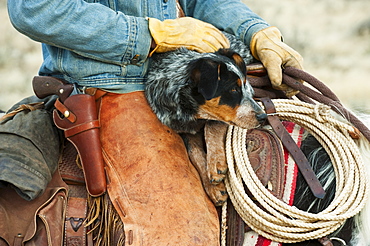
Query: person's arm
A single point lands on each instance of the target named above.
(89, 29)
(231, 16)
(265, 41)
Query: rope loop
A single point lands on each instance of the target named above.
(271, 217)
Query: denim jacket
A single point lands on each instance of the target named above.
(105, 43)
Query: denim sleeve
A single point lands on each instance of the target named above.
(232, 16)
(89, 29)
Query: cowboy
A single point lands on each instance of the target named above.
(107, 45)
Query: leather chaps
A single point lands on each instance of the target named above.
(152, 184)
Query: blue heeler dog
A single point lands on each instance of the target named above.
(186, 89)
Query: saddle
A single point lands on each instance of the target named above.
(140, 202)
(67, 202)
(67, 213)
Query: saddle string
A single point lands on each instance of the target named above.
(23, 107)
(277, 220)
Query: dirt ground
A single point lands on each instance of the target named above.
(333, 36)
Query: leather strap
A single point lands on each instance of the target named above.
(235, 227)
(68, 114)
(70, 132)
(298, 156)
(75, 231)
(97, 93)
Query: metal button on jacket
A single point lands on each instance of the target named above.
(135, 59)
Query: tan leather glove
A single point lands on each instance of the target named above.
(267, 46)
(186, 32)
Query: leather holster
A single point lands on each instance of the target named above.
(79, 119)
(153, 186)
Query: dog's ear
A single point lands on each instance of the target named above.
(206, 75)
(235, 57)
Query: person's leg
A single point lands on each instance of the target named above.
(151, 182)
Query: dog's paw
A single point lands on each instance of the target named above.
(217, 171)
(217, 193)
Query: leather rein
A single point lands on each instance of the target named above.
(319, 93)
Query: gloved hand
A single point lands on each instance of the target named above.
(186, 32)
(267, 46)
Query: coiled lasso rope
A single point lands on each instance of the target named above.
(272, 218)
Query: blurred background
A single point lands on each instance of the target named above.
(333, 36)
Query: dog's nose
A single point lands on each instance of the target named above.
(261, 116)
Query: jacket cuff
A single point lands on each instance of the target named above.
(139, 42)
(252, 29)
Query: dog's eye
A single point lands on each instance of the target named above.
(234, 90)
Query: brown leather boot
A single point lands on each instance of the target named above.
(151, 182)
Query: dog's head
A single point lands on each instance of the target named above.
(221, 90)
